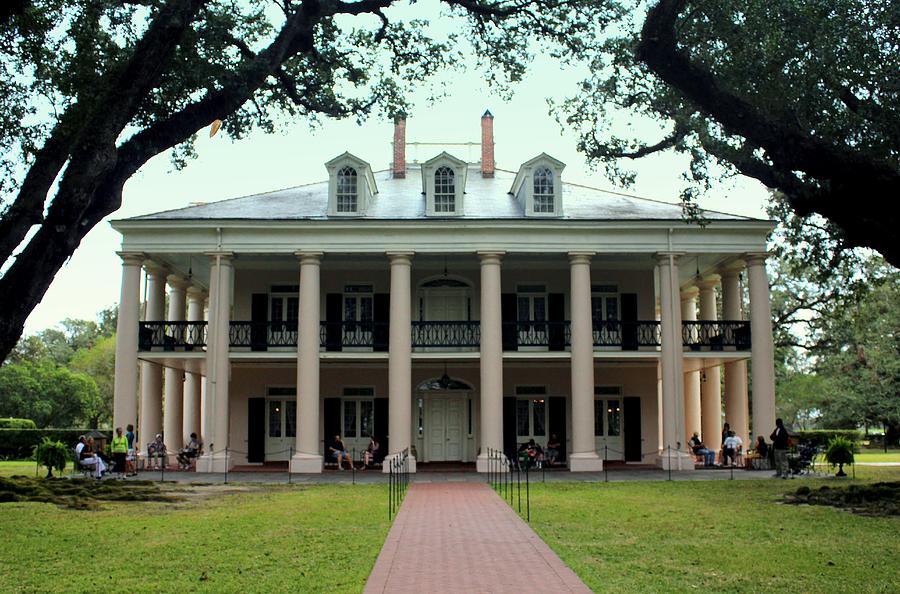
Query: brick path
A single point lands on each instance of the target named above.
(461, 537)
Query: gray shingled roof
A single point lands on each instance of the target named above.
(402, 199)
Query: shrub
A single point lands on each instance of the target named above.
(18, 444)
(13, 423)
(822, 437)
(839, 452)
(52, 454)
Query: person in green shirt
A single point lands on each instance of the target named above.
(119, 451)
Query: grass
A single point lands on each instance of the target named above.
(221, 539)
(22, 467)
(874, 456)
(719, 536)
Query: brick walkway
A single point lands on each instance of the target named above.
(461, 537)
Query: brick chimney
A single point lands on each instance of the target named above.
(487, 144)
(398, 166)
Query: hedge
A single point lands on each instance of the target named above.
(13, 423)
(18, 444)
(821, 437)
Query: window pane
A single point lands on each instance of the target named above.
(277, 309)
(365, 309)
(274, 418)
(596, 309)
(522, 418)
(540, 309)
(349, 309)
(350, 418)
(346, 193)
(612, 308)
(469, 413)
(539, 414)
(293, 309)
(598, 418)
(366, 418)
(524, 309)
(290, 418)
(444, 190)
(613, 416)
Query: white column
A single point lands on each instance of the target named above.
(218, 366)
(308, 458)
(491, 422)
(125, 392)
(736, 400)
(584, 456)
(711, 388)
(190, 422)
(174, 402)
(692, 376)
(762, 348)
(400, 358)
(151, 373)
(673, 444)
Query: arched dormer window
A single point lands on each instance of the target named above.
(543, 191)
(444, 190)
(347, 190)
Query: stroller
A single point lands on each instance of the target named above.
(805, 460)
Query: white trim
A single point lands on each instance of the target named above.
(459, 168)
(365, 184)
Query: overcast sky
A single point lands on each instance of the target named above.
(523, 128)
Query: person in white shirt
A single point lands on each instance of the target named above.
(733, 444)
(86, 457)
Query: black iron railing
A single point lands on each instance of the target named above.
(627, 335)
(338, 335)
(538, 334)
(446, 334)
(171, 336)
(398, 480)
(261, 335)
(716, 335)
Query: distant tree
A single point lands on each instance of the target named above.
(94, 89)
(49, 394)
(801, 95)
(99, 363)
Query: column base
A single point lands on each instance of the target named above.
(675, 460)
(386, 463)
(217, 462)
(306, 464)
(585, 462)
(484, 465)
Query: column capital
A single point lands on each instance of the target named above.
(157, 270)
(195, 292)
(663, 257)
(309, 256)
(756, 258)
(221, 256)
(178, 282)
(581, 257)
(732, 269)
(710, 281)
(132, 258)
(400, 257)
(490, 256)
(689, 293)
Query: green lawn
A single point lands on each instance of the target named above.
(720, 536)
(876, 456)
(24, 467)
(231, 539)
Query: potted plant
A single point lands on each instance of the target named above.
(52, 454)
(839, 452)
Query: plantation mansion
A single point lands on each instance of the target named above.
(444, 307)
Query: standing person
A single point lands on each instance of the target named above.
(779, 439)
(119, 448)
(339, 452)
(129, 459)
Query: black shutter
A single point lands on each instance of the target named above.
(331, 415)
(510, 445)
(556, 312)
(259, 316)
(334, 315)
(381, 428)
(508, 314)
(631, 426)
(557, 423)
(629, 322)
(256, 430)
(381, 315)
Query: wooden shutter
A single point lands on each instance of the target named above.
(259, 316)
(631, 427)
(334, 315)
(556, 312)
(629, 322)
(331, 417)
(556, 423)
(381, 428)
(510, 445)
(256, 430)
(381, 315)
(508, 315)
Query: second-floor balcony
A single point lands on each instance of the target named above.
(444, 335)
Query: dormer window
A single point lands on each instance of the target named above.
(543, 191)
(444, 190)
(538, 187)
(443, 184)
(347, 194)
(351, 186)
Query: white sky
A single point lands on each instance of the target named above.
(522, 129)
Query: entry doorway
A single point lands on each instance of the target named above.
(281, 428)
(445, 427)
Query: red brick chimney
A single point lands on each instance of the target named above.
(487, 144)
(398, 167)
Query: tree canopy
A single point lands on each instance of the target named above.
(801, 95)
(93, 89)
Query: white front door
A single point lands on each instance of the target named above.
(446, 305)
(444, 422)
(281, 428)
(608, 428)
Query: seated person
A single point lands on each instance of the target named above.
(189, 452)
(552, 451)
(85, 455)
(370, 452)
(531, 454)
(762, 448)
(338, 451)
(700, 449)
(730, 448)
(157, 449)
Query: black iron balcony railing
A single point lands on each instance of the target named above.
(716, 335)
(446, 334)
(171, 336)
(335, 336)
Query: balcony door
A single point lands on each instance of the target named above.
(358, 315)
(444, 300)
(605, 315)
(284, 312)
(531, 314)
